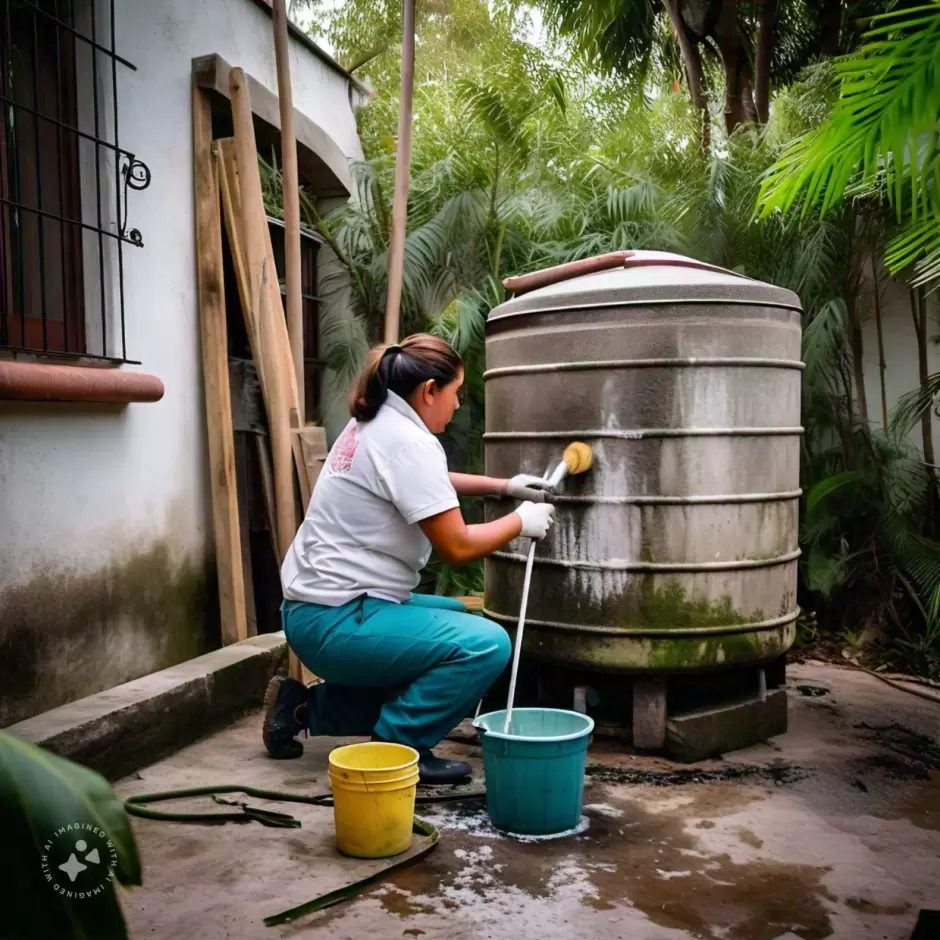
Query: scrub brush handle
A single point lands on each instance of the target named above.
(517, 648)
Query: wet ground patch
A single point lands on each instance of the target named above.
(901, 753)
(629, 857)
(779, 773)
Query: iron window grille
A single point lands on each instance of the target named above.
(64, 181)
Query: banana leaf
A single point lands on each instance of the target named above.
(66, 840)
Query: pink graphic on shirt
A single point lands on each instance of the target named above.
(341, 460)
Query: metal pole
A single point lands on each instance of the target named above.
(396, 251)
(294, 304)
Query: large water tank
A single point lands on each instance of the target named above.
(678, 550)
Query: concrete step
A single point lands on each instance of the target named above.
(122, 729)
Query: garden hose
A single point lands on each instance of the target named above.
(138, 805)
(920, 693)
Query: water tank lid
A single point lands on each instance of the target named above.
(635, 277)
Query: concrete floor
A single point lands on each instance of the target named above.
(832, 830)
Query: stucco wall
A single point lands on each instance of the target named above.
(106, 569)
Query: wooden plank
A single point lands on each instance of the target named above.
(278, 426)
(313, 442)
(267, 489)
(214, 343)
(230, 188)
(232, 197)
(292, 269)
(281, 343)
(271, 330)
(242, 481)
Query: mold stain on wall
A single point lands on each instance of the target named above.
(65, 634)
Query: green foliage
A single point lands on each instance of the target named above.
(40, 795)
(867, 530)
(612, 35)
(523, 158)
(920, 644)
(881, 137)
(714, 47)
(830, 485)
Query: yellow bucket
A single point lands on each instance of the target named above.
(374, 786)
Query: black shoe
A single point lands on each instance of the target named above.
(436, 771)
(285, 712)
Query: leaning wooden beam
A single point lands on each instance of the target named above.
(269, 326)
(267, 489)
(214, 340)
(292, 269)
(261, 318)
(278, 426)
(313, 441)
(230, 181)
(230, 191)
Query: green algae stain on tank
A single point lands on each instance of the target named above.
(670, 608)
(690, 652)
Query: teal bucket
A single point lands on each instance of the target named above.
(535, 776)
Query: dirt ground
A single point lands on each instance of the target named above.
(832, 830)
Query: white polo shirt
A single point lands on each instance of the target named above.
(361, 532)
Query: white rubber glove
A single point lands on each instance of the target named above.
(537, 519)
(528, 487)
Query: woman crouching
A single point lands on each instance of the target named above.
(399, 666)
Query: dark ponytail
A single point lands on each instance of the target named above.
(401, 369)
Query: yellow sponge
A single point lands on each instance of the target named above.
(578, 457)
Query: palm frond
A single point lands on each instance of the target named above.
(461, 324)
(636, 200)
(555, 86)
(824, 338)
(916, 555)
(817, 260)
(889, 105)
(488, 106)
(828, 486)
(917, 244)
(825, 573)
(611, 35)
(914, 403)
(345, 344)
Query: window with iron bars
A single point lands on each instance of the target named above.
(64, 181)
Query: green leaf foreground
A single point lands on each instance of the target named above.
(40, 795)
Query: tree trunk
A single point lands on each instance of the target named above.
(830, 28)
(858, 365)
(739, 103)
(763, 58)
(919, 310)
(847, 430)
(692, 60)
(747, 99)
(881, 341)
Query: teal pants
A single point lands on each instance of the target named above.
(407, 673)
